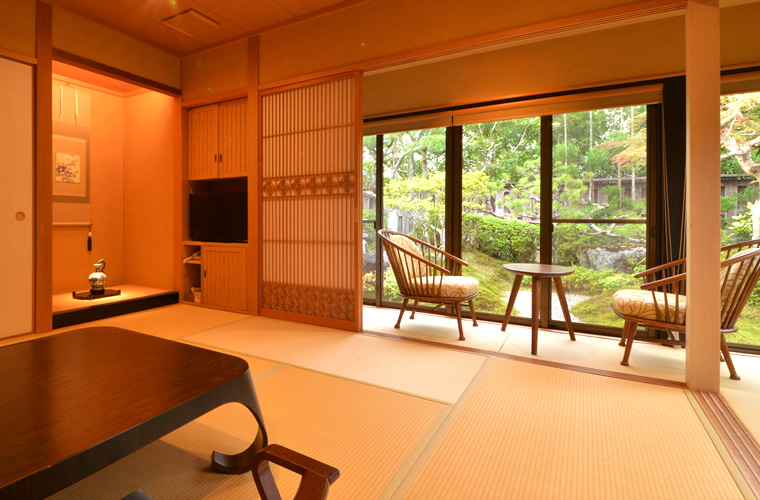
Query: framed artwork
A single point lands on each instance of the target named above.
(71, 168)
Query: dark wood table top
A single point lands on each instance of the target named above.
(77, 401)
(540, 270)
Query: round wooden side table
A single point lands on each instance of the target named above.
(539, 272)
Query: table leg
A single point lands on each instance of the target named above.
(242, 462)
(563, 302)
(511, 303)
(534, 315)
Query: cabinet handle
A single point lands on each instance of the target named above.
(204, 273)
(214, 158)
(220, 157)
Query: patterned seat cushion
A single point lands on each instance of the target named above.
(452, 286)
(641, 304)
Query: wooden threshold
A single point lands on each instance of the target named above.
(741, 445)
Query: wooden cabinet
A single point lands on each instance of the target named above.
(215, 275)
(216, 141)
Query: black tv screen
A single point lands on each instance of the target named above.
(220, 217)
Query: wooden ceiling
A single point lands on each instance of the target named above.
(184, 26)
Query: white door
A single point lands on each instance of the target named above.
(16, 217)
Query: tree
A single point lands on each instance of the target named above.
(740, 140)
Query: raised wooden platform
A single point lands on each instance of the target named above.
(69, 311)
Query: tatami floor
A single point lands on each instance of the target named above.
(415, 413)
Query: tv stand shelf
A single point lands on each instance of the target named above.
(218, 270)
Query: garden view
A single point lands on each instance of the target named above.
(599, 201)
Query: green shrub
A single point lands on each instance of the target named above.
(591, 282)
(504, 239)
(495, 281)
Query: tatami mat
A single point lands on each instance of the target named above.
(603, 438)
(366, 432)
(170, 322)
(433, 373)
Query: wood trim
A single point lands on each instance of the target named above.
(358, 148)
(218, 98)
(15, 56)
(180, 192)
(741, 445)
(254, 177)
(559, 27)
(43, 183)
(297, 83)
(110, 71)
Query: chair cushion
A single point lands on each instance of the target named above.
(641, 304)
(416, 267)
(452, 286)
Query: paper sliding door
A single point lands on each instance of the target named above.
(311, 203)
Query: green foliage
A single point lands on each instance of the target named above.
(508, 240)
(741, 227)
(495, 281)
(748, 327)
(368, 283)
(390, 286)
(596, 310)
(591, 282)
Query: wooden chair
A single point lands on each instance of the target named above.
(316, 477)
(425, 273)
(661, 301)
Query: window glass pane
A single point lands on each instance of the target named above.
(740, 192)
(500, 205)
(602, 266)
(414, 186)
(369, 199)
(599, 174)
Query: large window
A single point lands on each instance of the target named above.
(740, 192)
(595, 164)
(500, 213)
(599, 186)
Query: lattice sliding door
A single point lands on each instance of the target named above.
(311, 203)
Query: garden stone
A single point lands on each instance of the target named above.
(622, 260)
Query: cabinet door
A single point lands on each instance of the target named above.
(202, 142)
(223, 281)
(232, 139)
(16, 216)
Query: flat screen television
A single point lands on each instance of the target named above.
(219, 217)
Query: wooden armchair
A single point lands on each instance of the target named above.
(425, 273)
(661, 301)
(316, 477)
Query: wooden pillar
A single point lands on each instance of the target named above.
(43, 183)
(703, 194)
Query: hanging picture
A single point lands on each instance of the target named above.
(70, 169)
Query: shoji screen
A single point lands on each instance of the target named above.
(311, 203)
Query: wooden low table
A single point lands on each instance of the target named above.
(538, 272)
(78, 401)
